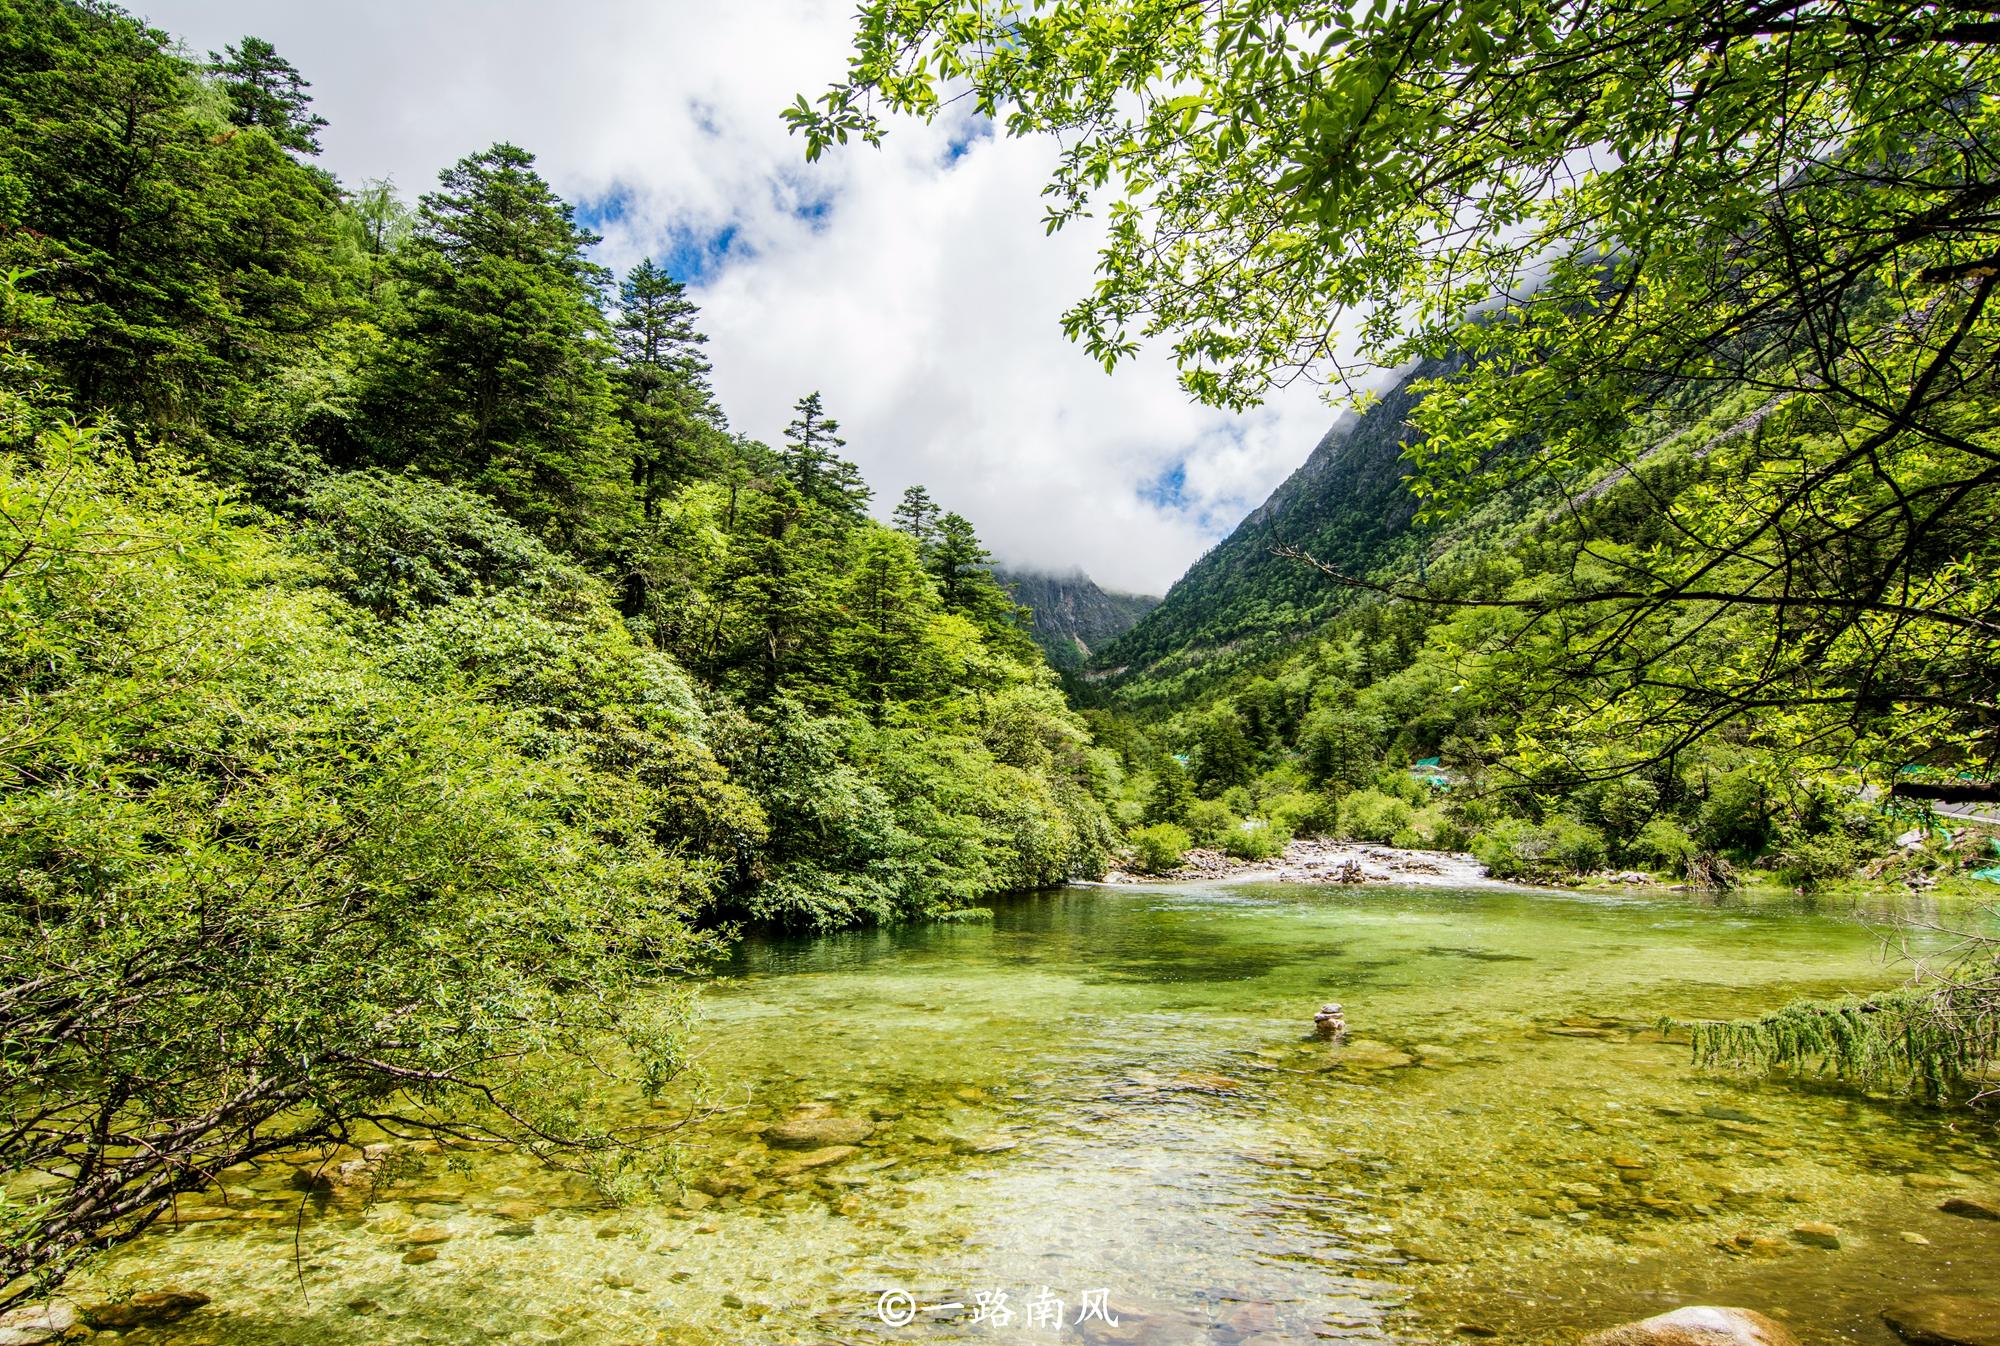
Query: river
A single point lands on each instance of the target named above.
(1112, 1098)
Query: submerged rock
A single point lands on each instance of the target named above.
(1698, 1325)
(1419, 1252)
(146, 1309)
(814, 1133)
(1366, 1055)
(1971, 1207)
(1929, 1182)
(1816, 1234)
(1946, 1320)
(830, 1154)
(1756, 1245)
(520, 1212)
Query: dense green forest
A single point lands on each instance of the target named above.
(402, 655)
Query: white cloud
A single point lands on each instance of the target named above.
(913, 285)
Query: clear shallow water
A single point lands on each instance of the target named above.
(1117, 1090)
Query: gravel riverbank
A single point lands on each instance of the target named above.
(1327, 862)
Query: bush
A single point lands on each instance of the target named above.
(1572, 845)
(1737, 814)
(1303, 814)
(1625, 807)
(1255, 839)
(396, 544)
(1402, 785)
(288, 888)
(1370, 815)
(1515, 848)
(1806, 861)
(1209, 822)
(1663, 844)
(1442, 829)
(1158, 849)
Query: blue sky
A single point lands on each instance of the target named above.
(913, 286)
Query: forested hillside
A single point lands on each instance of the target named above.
(404, 659)
(1349, 504)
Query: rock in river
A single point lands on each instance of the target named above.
(816, 1133)
(1368, 1055)
(1946, 1320)
(830, 1154)
(1971, 1207)
(425, 1234)
(146, 1309)
(1699, 1325)
(33, 1324)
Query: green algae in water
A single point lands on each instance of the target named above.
(1118, 1091)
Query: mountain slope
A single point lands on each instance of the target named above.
(1346, 504)
(1074, 618)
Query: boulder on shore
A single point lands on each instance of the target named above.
(1698, 1325)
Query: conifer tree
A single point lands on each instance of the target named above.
(384, 223)
(918, 515)
(496, 371)
(813, 463)
(891, 606)
(961, 565)
(268, 91)
(1172, 794)
(184, 264)
(958, 559)
(663, 381)
(781, 592)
